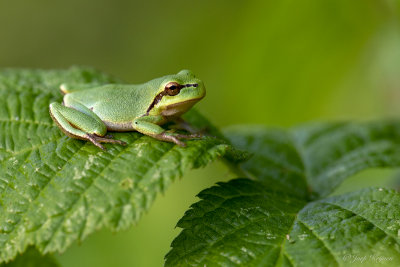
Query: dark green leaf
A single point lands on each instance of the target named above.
(275, 157)
(317, 158)
(277, 219)
(31, 258)
(338, 230)
(55, 190)
(246, 223)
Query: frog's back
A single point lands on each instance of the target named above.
(117, 104)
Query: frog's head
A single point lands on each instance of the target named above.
(177, 94)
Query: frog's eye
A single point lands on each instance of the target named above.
(173, 88)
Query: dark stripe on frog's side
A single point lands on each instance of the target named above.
(158, 97)
(155, 101)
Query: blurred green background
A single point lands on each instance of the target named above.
(278, 63)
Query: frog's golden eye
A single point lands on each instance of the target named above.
(173, 88)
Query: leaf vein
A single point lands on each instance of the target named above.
(366, 219)
(321, 240)
(16, 226)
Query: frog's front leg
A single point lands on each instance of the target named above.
(78, 123)
(148, 125)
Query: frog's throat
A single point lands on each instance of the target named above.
(178, 109)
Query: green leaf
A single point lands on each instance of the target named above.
(282, 218)
(275, 157)
(315, 159)
(365, 223)
(32, 258)
(55, 190)
(246, 223)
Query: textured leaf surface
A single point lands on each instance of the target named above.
(282, 218)
(245, 223)
(317, 158)
(32, 258)
(55, 190)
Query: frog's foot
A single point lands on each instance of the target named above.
(190, 136)
(96, 140)
(181, 124)
(175, 138)
(164, 136)
(193, 135)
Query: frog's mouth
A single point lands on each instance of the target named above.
(178, 109)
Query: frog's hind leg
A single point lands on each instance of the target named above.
(99, 138)
(77, 124)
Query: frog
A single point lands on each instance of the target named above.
(88, 112)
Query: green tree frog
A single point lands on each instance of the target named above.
(88, 113)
